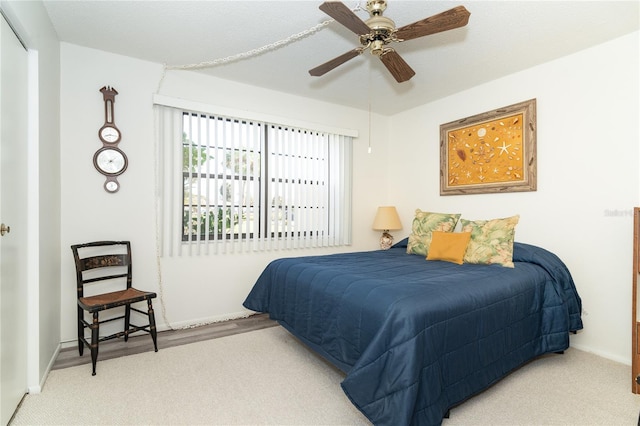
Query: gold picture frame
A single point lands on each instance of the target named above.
(491, 152)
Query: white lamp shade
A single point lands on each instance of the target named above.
(387, 219)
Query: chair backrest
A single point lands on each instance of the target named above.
(105, 262)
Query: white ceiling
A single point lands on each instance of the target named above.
(502, 37)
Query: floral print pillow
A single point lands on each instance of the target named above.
(491, 241)
(424, 223)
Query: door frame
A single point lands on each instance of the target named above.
(34, 381)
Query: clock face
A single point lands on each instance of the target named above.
(109, 134)
(110, 161)
(111, 186)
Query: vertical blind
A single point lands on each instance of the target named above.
(230, 185)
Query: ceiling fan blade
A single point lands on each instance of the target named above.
(400, 70)
(447, 20)
(341, 13)
(328, 66)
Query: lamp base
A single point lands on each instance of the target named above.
(386, 240)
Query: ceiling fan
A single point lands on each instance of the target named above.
(377, 32)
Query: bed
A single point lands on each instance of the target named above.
(414, 337)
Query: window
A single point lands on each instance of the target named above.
(222, 162)
(253, 185)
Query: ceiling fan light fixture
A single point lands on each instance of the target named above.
(377, 47)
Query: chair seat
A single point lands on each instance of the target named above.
(116, 298)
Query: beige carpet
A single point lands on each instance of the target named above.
(268, 377)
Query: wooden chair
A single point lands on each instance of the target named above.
(106, 265)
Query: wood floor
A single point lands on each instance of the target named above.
(141, 342)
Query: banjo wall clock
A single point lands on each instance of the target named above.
(110, 160)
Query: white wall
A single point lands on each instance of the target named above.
(197, 289)
(588, 183)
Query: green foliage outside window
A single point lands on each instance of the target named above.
(215, 221)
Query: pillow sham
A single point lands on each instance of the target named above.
(424, 223)
(448, 246)
(491, 241)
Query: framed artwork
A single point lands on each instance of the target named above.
(490, 152)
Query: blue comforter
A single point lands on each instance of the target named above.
(417, 337)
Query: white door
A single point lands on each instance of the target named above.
(13, 209)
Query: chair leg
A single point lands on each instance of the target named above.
(80, 330)
(95, 336)
(127, 321)
(152, 325)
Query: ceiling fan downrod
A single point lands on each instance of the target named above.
(382, 28)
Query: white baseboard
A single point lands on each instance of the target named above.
(37, 389)
(181, 324)
(204, 321)
(607, 355)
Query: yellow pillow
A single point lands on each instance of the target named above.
(449, 246)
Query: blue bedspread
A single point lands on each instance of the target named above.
(418, 337)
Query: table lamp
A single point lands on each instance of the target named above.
(386, 220)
